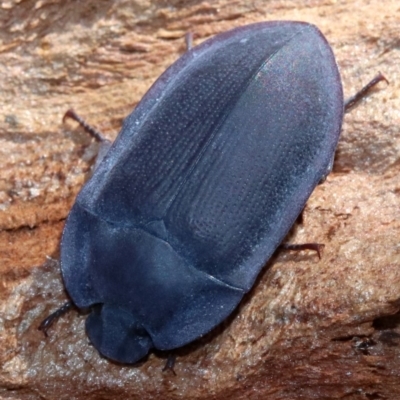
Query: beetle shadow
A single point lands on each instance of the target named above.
(388, 328)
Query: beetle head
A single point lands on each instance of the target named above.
(116, 334)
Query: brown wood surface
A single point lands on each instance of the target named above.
(309, 329)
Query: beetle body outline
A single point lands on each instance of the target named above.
(204, 181)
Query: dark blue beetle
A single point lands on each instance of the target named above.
(204, 181)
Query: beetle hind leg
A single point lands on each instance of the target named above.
(349, 104)
(354, 100)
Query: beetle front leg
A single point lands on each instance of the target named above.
(49, 321)
(170, 364)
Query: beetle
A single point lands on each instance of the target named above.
(204, 181)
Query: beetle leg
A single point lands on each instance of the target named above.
(189, 40)
(48, 322)
(317, 247)
(170, 364)
(88, 128)
(328, 170)
(353, 100)
(105, 143)
(349, 104)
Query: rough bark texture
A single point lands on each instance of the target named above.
(327, 329)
